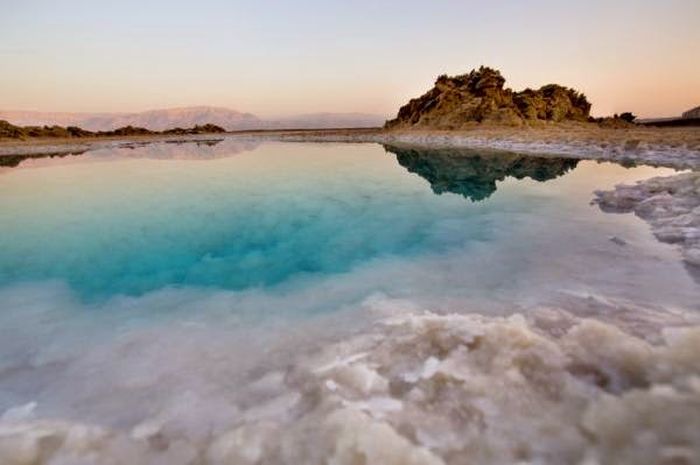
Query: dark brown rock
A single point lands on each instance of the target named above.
(127, 131)
(10, 131)
(480, 97)
(199, 129)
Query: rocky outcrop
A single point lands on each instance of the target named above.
(203, 129)
(127, 131)
(613, 122)
(480, 97)
(473, 173)
(692, 114)
(10, 131)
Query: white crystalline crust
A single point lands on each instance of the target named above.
(614, 146)
(670, 204)
(433, 389)
(663, 147)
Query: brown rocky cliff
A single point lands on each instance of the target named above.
(480, 97)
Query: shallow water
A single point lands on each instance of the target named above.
(132, 221)
(166, 280)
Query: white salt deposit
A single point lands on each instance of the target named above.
(670, 204)
(654, 153)
(420, 388)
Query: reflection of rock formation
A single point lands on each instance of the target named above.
(194, 143)
(473, 174)
(174, 149)
(182, 149)
(11, 161)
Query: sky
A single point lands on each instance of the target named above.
(275, 58)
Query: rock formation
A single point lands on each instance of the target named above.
(480, 97)
(692, 114)
(203, 129)
(10, 131)
(473, 174)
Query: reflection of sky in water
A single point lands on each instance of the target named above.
(120, 221)
(237, 263)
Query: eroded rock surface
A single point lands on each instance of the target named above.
(480, 97)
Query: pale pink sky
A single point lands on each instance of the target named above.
(277, 58)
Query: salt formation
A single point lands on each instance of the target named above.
(670, 204)
(623, 148)
(433, 389)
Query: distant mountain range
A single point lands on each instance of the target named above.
(159, 120)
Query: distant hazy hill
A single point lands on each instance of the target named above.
(326, 120)
(156, 120)
(159, 120)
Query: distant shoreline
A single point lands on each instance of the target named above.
(674, 147)
(163, 136)
(671, 122)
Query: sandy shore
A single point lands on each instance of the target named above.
(672, 147)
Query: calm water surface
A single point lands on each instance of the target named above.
(132, 221)
(131, 266)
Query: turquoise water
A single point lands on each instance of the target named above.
(129, 227)
(133, 220)
(157, 279)
(109, 226)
